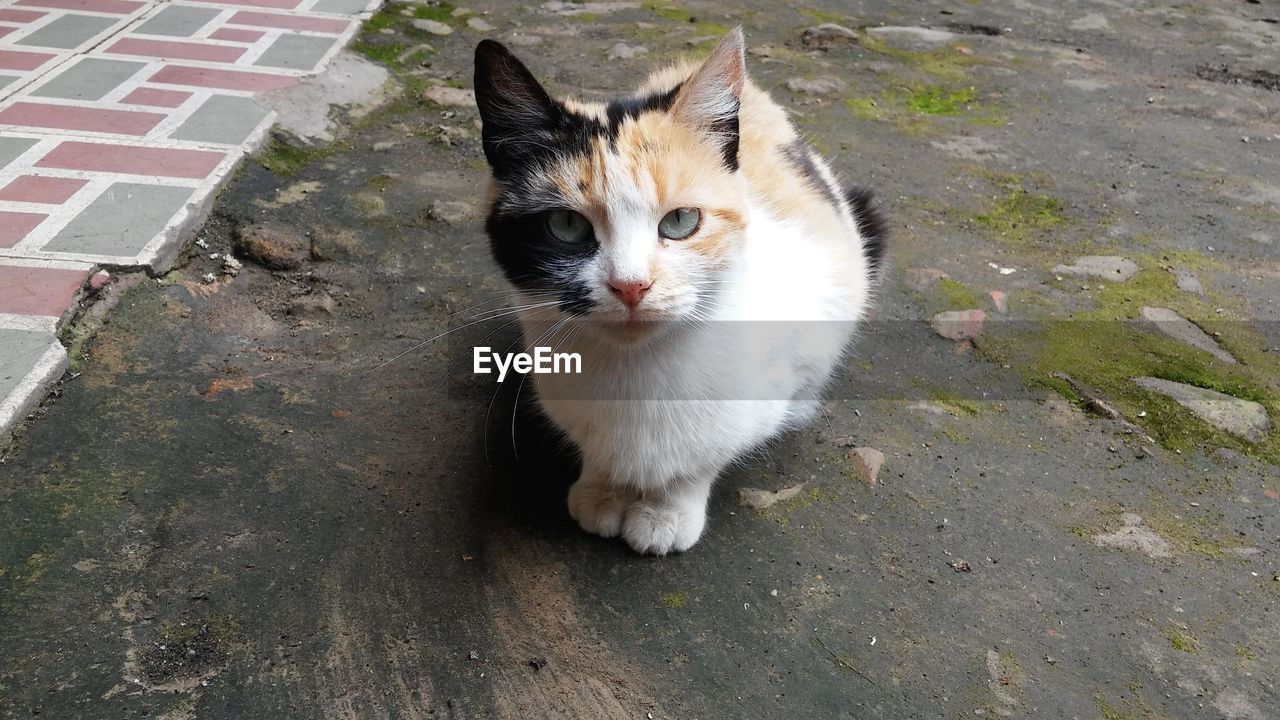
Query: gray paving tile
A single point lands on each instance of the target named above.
(89, 79)
(340, 7)
(178, 21)
(222, 119)
(121, 221)
(296, 52)
(11, 148)
(68, 31)
(6, 79)
(19, 351)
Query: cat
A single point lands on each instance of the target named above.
(646, 233)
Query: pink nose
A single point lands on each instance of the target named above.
(630, 292)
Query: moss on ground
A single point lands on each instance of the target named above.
(677, 14)
(1181, 639)
(1101, 348)
(676, 600)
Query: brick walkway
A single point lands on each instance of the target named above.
(118, 121)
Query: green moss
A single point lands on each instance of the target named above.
(864, 108)
(286, 158)
(936, 100)
(381, 52)
(680, 15)
(1198, 535)
(947, 64)
(822, 16)
(1181, 640)
(381, 183)
(955, 436)
(1245, 653)
(951, 294)
(956, 404)
(1099, 347)
(1019, 216)
(440, 11)
(676, 600)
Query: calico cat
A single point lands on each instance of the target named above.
(636, 232)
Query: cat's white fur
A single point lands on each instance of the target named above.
(742, 353)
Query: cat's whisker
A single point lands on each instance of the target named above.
(504, 313)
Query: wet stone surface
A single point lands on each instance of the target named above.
(380, 534)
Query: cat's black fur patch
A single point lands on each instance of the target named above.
(872, 225)
(536, 261)
(727, 129)
(801, 157)
(630, 108)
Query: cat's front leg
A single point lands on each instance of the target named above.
(668, 520)
(597, 504)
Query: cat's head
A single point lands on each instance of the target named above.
(628, 212)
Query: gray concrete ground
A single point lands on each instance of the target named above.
(233, 508)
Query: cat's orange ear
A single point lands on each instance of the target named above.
(511, 101)
(710, 98)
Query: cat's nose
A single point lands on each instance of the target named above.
(630, 292)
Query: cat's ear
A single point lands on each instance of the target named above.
(512, 104)
(710, 98)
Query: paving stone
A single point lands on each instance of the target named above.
(290, 22)
(222, 119)
(89, 79)
(236, 35)
(67, 117)
(296, 52)
(176, 49)
(68, 32)
(19, 351)
(39, 288)
(1170, 323)
(122, 221)
(7, 79)
(23, 60)
(12, 147)
(119, 7)
(178, 21)
(1108, 267)
(155, 97)
(132, 159)
(220, 79)
(31, 361)
(38, 189)
(1243, 418)
(14, 226)
(340, 7)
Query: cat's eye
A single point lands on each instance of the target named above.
(680, 223)
(568, 226)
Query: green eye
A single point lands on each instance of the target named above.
(568, 226)
(680, 223)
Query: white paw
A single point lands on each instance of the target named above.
(659, 528)
(598, 507)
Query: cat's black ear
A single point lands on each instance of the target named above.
(709, 100)
(513, 106)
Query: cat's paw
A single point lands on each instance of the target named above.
(659, 528)
(598, 507)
